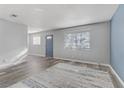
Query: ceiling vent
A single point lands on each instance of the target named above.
(14, 15)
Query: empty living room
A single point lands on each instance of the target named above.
(61, 46)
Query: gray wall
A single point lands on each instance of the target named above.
(99, 51)
(13, 39)
(117, 41)
(37, 49)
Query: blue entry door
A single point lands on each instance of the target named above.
(49, 46)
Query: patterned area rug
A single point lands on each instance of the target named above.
(63, 75)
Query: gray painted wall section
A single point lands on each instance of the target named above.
(13, 40)
(117, 41)
(99, 52)
(37, 49)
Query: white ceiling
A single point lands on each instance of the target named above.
(45, 17)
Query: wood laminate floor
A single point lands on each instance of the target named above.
(30, 65)
(38, 72)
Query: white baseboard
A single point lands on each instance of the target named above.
(37, 55)
(83, 61)
(15, 60)
(19, 58)
(119, 81)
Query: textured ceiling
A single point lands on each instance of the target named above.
(46, 16)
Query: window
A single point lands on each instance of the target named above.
(49, 37)
(80, 40)
(36, 40)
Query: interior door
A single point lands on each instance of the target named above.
(49, 46)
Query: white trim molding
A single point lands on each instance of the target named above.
(15, 59)
(82, 61)
(36, 55)
(119, 81)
